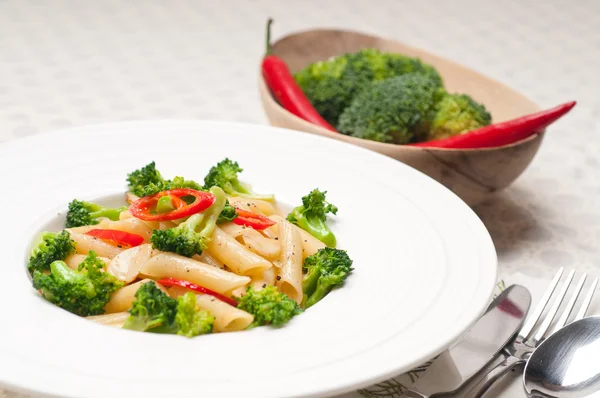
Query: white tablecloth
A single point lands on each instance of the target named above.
(65, 63)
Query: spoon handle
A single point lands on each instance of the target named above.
(487, 382)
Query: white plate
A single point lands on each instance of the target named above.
(425, 267)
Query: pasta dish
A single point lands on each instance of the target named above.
(186, 258)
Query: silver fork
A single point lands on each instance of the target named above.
(521, 348)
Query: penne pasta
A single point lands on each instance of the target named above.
(122, 299)
(74, 260)
(235, 256)
(209, 259)
(290, 273)
(267, 278)
(254, 205)
(253, 240)
(115, 320)
(310, 244)
(227, 317)
(126, 266)
(85, 243)
(164, 265)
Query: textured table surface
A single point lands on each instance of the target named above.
(66, 63)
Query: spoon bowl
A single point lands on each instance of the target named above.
(472, 174)
(567, 364)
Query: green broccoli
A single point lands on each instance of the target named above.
(53, 247)
(175, 183)
(82, 213)
(324, 270)
(189, 319)
(228, 213)
(331, 85)
(140, 178)
(395, 110)
(457, 114)
(191, 236)
(148, 181)
(312, 216)
(268, 306)
(83, 292)
(154, 311)
(225, 175)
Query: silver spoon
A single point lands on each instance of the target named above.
(567, 364)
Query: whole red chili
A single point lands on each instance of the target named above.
(503, 133)
(285, 89)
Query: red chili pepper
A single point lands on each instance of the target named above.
(252, 220)
(197, 288)
(503, 133)
(117, 238)
(285, 89)
(143, 207)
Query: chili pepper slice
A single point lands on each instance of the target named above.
(252, 220)
(504, 133)
(285, 89)
(116, 237)
(197, 288)
(144, 208)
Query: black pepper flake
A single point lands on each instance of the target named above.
(119, 246)
(276, 238)
(187, 270)
(278, 278)
(248, 204)
(264, 285)
(305, 241)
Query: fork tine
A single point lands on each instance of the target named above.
(539, 335)
(535, 315)
(562, 321)
(587, 301)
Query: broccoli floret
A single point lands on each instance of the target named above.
(324, 270)
(268, 306)
(190, 320)
(395, 110)
(138, 179)
(82, 213)
(331, 85)
(228, 213)
(53, 247)
(175, 183)
(312, 216)
(457, 114)
(191, 236)
(152, 309)
(225, 175)
(84, 292)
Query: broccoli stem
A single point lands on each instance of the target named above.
(319, 229)
(320, 292)
(213, 212)
(164, 205)
(61, 270)
(112, 214)
(309, 284)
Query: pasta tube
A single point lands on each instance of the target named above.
(290, 274)
(165, 265)
(234, 255)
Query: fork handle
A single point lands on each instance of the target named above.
(499, 371)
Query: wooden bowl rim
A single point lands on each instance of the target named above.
(383, 145)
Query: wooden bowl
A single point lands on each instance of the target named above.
(473, 174)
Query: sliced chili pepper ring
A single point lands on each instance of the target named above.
(143, 207)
